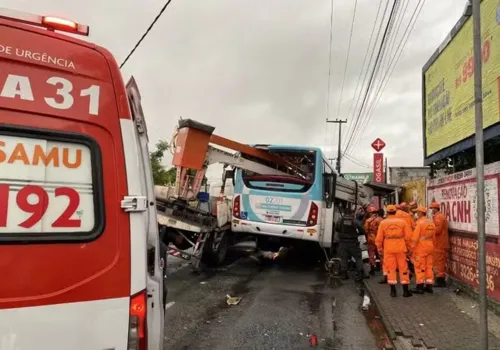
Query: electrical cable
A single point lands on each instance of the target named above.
(146, 33)
(357, 162)
(384, 66)
(377, 60)
(369, 96)
(393, 63)
(329, 71)
(355, 105)
(347, 58)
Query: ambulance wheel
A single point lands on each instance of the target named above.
(215, 250)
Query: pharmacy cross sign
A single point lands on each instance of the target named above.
(378, 144)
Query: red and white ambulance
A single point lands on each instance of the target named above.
(80, 263)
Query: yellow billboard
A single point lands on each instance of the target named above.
(414, 191)
(449, 83)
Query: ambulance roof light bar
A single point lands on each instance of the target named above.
(49, 22)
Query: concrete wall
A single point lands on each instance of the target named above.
(400, 175)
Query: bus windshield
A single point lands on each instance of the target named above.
(305, 160)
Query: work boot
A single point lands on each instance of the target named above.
(393, 291)
(428, 288)
(377, 266)
(406, 292)
(383, 280)
(419, 289)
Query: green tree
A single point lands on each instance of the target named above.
(161, 176)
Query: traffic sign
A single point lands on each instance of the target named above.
(378, 144)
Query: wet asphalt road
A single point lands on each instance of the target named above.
(282, 306)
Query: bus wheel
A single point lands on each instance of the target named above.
(216, 248)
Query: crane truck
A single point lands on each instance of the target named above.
(281, 195)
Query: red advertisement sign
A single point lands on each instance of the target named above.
(463, 264)
(457, 194)
(378, 167)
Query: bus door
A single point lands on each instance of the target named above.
(72, 251)
(156, 257)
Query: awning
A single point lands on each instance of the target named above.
(381, 189)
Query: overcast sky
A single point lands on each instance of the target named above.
(258, 70)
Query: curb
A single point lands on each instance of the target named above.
(388, 328)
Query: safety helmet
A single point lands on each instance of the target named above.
(435, 205)
(421, 209)
(391, 208)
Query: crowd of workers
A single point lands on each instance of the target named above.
(405, 241)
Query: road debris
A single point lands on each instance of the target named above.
(314, 340)
(232, 300)
(366, 303)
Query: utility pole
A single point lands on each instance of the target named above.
(481, 224)
(339, 156)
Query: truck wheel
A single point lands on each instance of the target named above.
(215, 249)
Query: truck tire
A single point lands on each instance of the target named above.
(214, 254)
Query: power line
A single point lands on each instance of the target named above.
(377, 61)
(392, 64)
(347, 58)
(146, 33)
(329, 70)
(374, 75)
(385, 42)
(357, 162)
(354, 106)
(384, 66)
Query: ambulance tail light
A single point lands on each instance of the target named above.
(312, 218)
(236, 207)
(137, 332)
(48, 22)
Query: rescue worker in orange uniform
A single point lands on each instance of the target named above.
(441, 244)
(381, 214)
(403, 214)
(422, 247)
(412, 206)
(371, 227)
(394, 238)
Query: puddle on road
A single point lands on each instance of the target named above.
(377, 328)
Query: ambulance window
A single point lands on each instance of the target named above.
(50, 187)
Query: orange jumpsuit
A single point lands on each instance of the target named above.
(393, 238)
(406, 217)
(441, 244)
(422, 247)
(371, 227)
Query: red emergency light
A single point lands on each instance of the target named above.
(48, 22)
